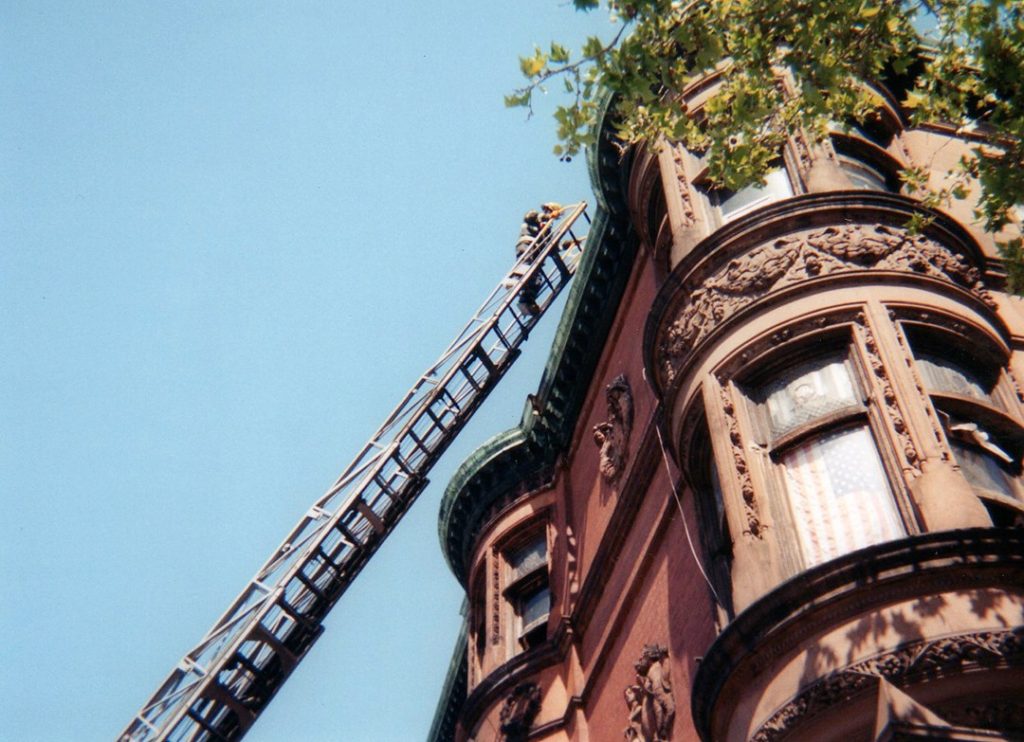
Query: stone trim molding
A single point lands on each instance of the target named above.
(714, 293)
(887, 398)
(912, 661)
(751, 515)
(689, 215)
(849, 586)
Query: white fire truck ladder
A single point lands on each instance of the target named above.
(221, 686)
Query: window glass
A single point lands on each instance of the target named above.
(943, 375)
(534, 608)
(981, 470)
(808, 392)
(528, 558)
(776, 186)
(839, 495)
(527, 591)
(862, 176)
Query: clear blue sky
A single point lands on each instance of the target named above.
(231, 235)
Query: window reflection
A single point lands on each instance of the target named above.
(732, 204)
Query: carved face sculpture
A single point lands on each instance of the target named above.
(613, 435)
(606, 436)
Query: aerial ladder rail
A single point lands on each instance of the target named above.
(220, 687)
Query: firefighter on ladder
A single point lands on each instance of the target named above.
(534, 223)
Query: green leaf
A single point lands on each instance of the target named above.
(592, 46)
(559, 54)
(516, 100)
(531, 66)
(913, 100)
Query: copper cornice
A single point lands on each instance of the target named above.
(522, 458)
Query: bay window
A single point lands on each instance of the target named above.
(833, 488)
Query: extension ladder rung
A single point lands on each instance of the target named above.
(264, 633)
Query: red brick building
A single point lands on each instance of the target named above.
(769, 486)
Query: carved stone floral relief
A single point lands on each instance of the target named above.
(612, 436)
(520, 709)
(750, 508)
(685, 195)
(652, 708)
(888, 401)
(495, 593)
(912, 661)
(714, 295)
(572, 567)
(802, 149)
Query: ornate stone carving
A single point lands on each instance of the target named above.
(520, 709)
(715, 294)
(652, 709)
(802, 150)
(889, 404)
(612, 436)
(753, 519)
(1014, 384)
(685, 196)
(572, 568)
(495, 592)
(1003, 716)
(920, 659)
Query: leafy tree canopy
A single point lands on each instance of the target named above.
(967, 57)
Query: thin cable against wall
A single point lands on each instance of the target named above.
(686, 528)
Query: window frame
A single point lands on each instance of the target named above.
(865, 153)
(716, 536)
(841, 343)
(516, 590)
(718, 197)
(714, 197)
(990, 414)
